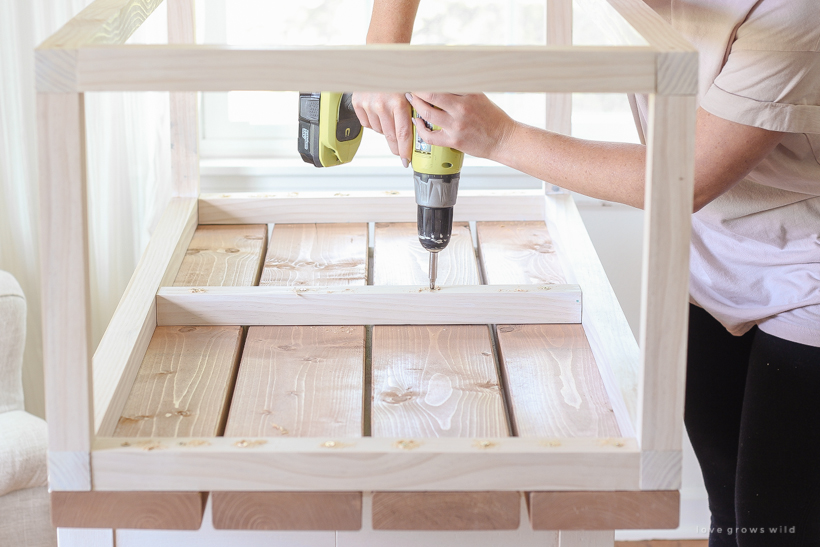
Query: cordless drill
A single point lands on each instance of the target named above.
(330, 134)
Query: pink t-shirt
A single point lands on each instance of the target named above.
(755, 253)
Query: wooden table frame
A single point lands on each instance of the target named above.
(85, 393)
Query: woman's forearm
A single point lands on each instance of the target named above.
(603, 170)
(392, 21)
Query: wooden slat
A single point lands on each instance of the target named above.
(403, 261)
(604, 510)
(554, 385)
(223, 256)
(383, 67)
(65, 288)
(301, 381)
(183, 386)
(553, 382)
(559, 33)
(392, 206)
(129, 332)
(287, 510)
(665, 289)
(518, 252)
(143, 510)
(184, 111)
(435, 381)
(316, 254)
(383, 305)
(366, 463)
(440, 510)
(610, 338)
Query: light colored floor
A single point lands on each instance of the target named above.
(660, 543)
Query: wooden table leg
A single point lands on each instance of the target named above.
(586, 538)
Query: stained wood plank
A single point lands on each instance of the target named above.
(518, 252)
(604, 510)
(553, 382)
(301, 381)
(184, 383)
(143, 510)
(401, 260)
(287, 510)
(439, 510)
(316, 254)
(223, 256)
(435, 381)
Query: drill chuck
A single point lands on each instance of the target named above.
(435, 195)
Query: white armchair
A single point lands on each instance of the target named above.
(25, 519)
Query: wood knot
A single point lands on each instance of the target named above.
(483, 445)
(408, 444)
(286, 348)
(506, 328)
(253, 237)
(231, 250)
(187, 329)
(192, 251)
(395, 398)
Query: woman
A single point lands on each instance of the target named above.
(753, 373)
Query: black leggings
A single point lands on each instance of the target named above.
(753, 416)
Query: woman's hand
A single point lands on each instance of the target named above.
(388, 114)
(470, 123)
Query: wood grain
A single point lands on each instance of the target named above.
(287, 510)
(142, 510)
(604, 510)
(446, 510)
(299, 382)
(184, 109)
(401, 260)
(129, 332)
(316, 254)
(370, 305)
(435, 381)
(665, 288)
(400, 464)
(381, 67)
(363, 206)
(183, 386)
(223, 256)
(518, 252)
(559, 33)
(65, 286)
(554, 385)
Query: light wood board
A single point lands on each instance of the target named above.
(399, 258)
(362, 206)
(518, 252)
(604, 510)
(316, 254)
(301, 381)
(142, 510)
(223, 256)
(435, 381)
(554, 385)
(183, 386)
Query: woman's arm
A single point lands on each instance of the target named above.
(388, 113)
(725, 151)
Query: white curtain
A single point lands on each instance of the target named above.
(128, 170)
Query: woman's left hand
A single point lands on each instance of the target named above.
(470, 123)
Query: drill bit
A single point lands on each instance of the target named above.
(433, 269)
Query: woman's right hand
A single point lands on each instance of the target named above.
(388, 114)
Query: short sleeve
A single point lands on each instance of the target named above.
(771, 78)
